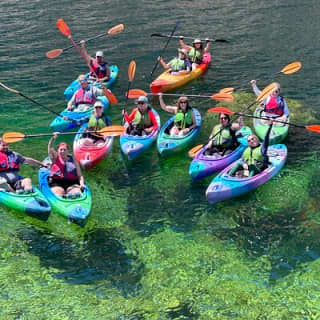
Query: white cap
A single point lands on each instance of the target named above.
(99, 54)
(98, 103)
(142, 99)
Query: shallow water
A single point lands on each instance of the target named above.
(153, 247)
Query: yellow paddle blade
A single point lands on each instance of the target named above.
(314, 128)
(54, 53)
(229, 90)
(131, 70)
(266, 92)
(11, 137)
(222, 97)
(63, 27)
(116, 29)
(292, 67)
(110, 96)
(112, 131)
(220, 110)
(136, 93)
(195, 150)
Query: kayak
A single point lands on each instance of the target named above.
(224, 186)
(76, 210)
(61, 125)
(170, 144)
(133, 146)
(33, 204)
(74, 85)
(278, 132)
(204, 165)
(167, 81)
(89, 156)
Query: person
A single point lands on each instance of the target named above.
(274, 105)
(195, 51)
(65, 179)
(10, 162)
(98, 66)
(142, 121)
(254, 158)
(184, 120)
(179, 65)
(97, 121)
(223, 138)
(85, 97)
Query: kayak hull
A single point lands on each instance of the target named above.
(225, 186)
(167, 144)
(203, 165)
(167, 81)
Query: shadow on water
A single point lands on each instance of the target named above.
(100, 256)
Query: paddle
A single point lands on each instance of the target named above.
(64, 29)
(165, 47)
(223, 97)
(264, 93)
(112, 31)
(288, 69)
(167, 36)
(37, 103)
(131, 73)
(313, 128)
(111, 131)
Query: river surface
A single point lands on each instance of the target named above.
(153, 247)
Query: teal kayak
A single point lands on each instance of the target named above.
(278, 132)
(76, 210)
(170, 144)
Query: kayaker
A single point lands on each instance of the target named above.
(85, 97)
(10, 162)
(254, 158)
(98, 66)
(97, 121)
(184, 120)
(141, 120)
(274, 106)
(178, 65)
(195, 51)
(65, 178)
(223, 138)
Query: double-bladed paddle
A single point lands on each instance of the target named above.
(167, 36)
(112, 31)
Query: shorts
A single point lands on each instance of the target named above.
(63, 183)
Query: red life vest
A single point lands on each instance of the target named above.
(85, 96)
(64, 170)
(9, 161)
(275, 107)
(99, 69)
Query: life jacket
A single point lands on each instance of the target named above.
(98, 69)
(195, 55)
(253, 156)
(85, 96)
(183, 120)
(142, 121)
(96, 123)
(64, 170)
(223, 136)
(177, 65)
(9, 161)
(275, 107)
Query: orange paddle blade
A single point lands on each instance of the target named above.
(221, 110)
(63, 27)
(222, 97)
(131, 70)
(195, 150)
(54, 53)
(292, 67)
(136, 93)
(110, 96)
(227, 90)
(266, 92)
(11, 137)
(112, 131)
(116, 29)
(314, 128)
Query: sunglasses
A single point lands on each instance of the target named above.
(83, 81)
(223, 118)
(140, 102)
(98, 107)
(184, 101)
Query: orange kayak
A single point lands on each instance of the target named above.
(167, 81)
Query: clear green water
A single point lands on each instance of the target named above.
(153, 248)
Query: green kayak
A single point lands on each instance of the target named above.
(278, 133)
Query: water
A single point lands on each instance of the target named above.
(153, 248)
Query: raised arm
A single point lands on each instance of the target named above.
(183, 45)
(52, 153)
(207, 47)
(164, 65)
(85, 52)
(170, 109)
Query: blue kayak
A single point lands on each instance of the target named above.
(74, 85)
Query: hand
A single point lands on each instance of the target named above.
(181, 37)
(55, 135)
(207, 40)
(160, 94)
(45, 164)
(82, 43)
(101, 84)
(253, 82)
(159, 58)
